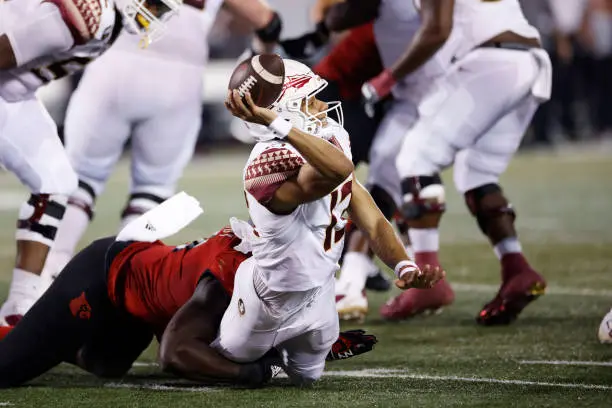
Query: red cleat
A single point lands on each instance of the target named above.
(12, 320)
(413, 302)
(521, 285)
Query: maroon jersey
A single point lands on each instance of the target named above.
(352, 62)
(151, 281)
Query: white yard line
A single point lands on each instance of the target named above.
(386, 373)
(551, 290)
(568, 362)
(383, 373)
(160, 387)
(144, 364)
(5, 404)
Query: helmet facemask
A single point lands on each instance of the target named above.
(151, 25)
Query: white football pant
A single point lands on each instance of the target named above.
(31, 148)
(301, 325)
(155, 101)
(482, 108)
(394, 127)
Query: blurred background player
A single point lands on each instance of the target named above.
(42, 42)
(475, 116)
(395, 22)
(119, 99)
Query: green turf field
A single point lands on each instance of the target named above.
(564, 202)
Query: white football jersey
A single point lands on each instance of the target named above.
(394, 28)
(301, 250)
(477, 21)
(21, 82)
(185, 36)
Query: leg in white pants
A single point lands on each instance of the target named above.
(302, 325)
(470, 101)
(31, 149)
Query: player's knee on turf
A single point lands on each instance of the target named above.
(102, 366)
(304, 376)
(424, 201)
(494, 214)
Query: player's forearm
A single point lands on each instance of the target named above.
(7, 55)
(196, 360)
(266, 22)
(322, 155)
(350, 13)
(425, 44)
(386, 244)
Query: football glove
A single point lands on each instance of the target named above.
(306, 46)
(351, 343)
(375, 90)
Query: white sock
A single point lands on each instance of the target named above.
(425, 240)
(69, 233)
(507, 246)
(355, 270)
(25, 285)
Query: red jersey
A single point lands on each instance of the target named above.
(352, 62)
(151, 281)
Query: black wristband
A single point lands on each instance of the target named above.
(271, 32)
(251, 374)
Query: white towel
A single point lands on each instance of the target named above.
(245, 232)
(165, 220)
(542, 87)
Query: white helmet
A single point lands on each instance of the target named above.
(300, 85)
(138, 18)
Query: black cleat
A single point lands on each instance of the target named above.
(379, 282)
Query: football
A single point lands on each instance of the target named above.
(262, 75)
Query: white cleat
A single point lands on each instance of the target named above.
(352, 307)
(13, 310)
(605, 329)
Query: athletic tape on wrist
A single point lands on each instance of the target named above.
(280, 127)
(403, 267)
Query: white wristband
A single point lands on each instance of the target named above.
(403, 267)
(280, 127)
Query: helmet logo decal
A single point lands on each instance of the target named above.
(294, 81)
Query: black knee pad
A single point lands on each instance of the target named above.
(383, 200)
(486, 203)
(421, 204)
(84, 205)
(39, 218)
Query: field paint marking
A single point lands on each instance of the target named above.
(551, 290)
(144, 364)
(378, 373)
(387, 373)
(160, 387)
(568, 362)
(5, 404)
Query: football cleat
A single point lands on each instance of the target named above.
(379, 282)
(513, 296)
(605, 329)
(413, 302)
(12, 311)
(352, 306)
